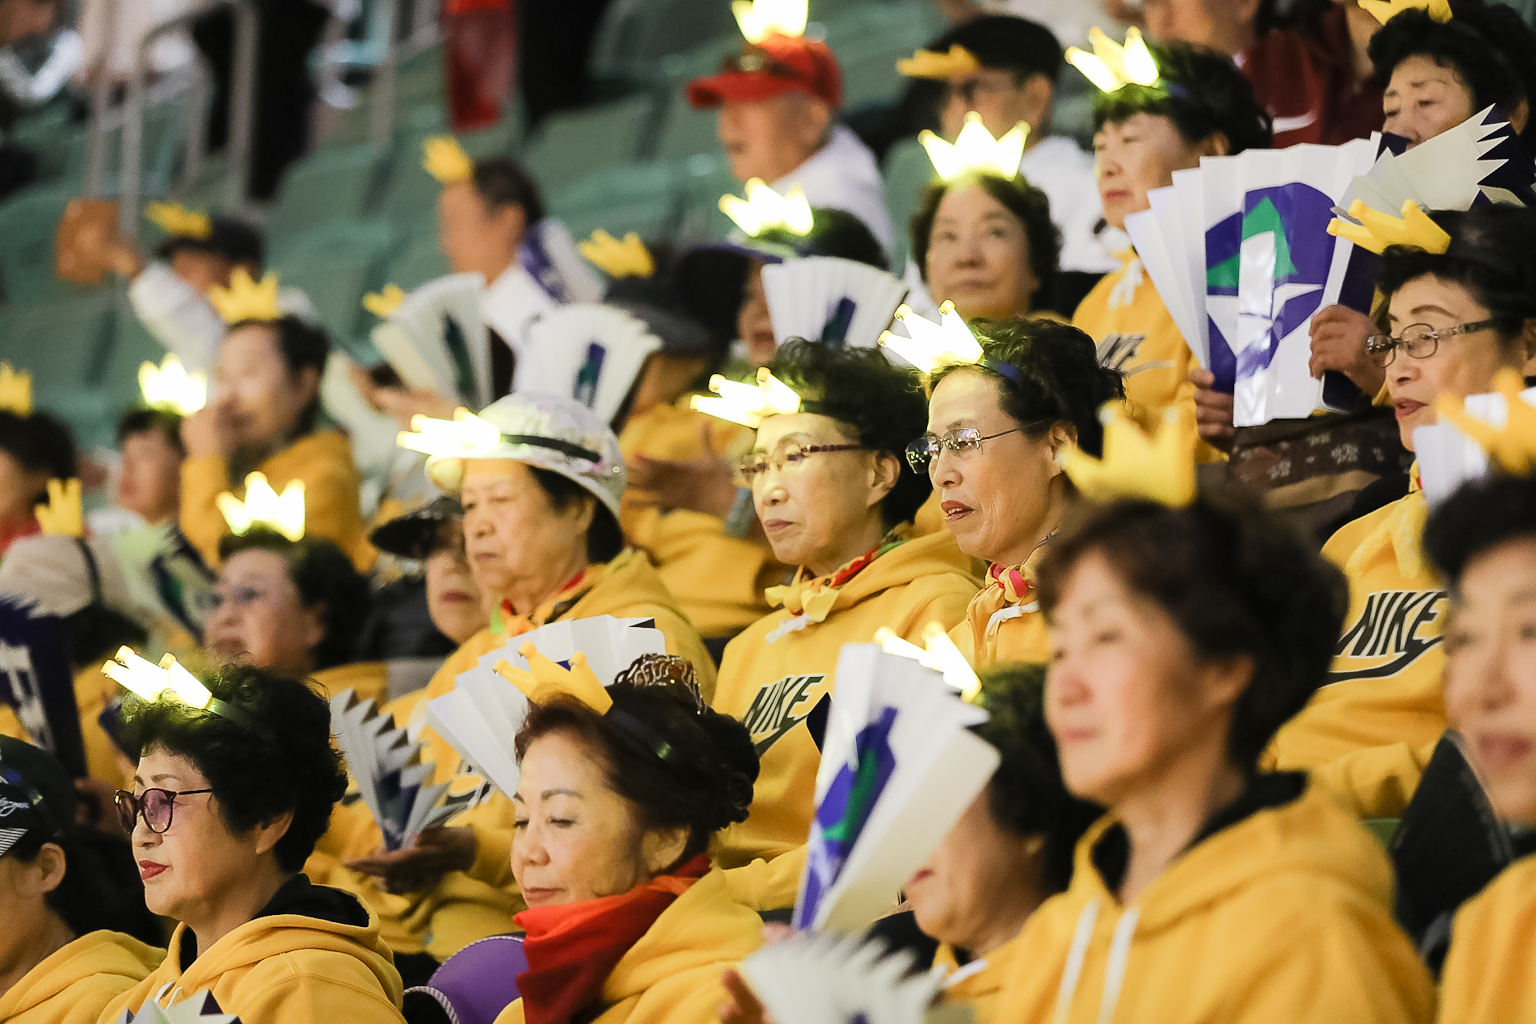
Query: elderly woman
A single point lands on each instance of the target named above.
(1183, 638)
(1454, 320)
(55, 966)
(434, 536)
(995, 429)
(227, 803)
(1483, 539)
(829, 490)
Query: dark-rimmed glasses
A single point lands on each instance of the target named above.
(155, 805)
(790, 457)
(1419, 340)
(924, 452)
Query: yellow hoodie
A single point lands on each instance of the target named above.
(368, 679)
(322, 460)
(979, 983)
(773, 674)
(286, 968)
(1487, 976)
(1282, 916)
(75, 983)
(1003, 623)
(672, 975)
(1369, 731)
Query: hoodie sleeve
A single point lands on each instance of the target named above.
(203, 478)
(322, 988)
(1376, 782)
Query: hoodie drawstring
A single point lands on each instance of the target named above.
(1114, 972)
(1075, 957)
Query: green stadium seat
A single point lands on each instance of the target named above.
(418, 261)
(329, 184)
(57, 141)
(336, 263)
(65, 343)
(410, 193)
(572, 144)
(28, 222)
(704, 180)
(685, 132)
(907, 172)
(641, 197)
(635, 35)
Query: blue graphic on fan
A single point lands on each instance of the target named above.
(587, 378)
(836, 331)
(845, 809)
(458, 349)
(37, 683)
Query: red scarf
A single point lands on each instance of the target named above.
(573, 948)
(1013, 583)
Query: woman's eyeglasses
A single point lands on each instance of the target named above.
(1418, 340)
(924, 452)
(791, 457)
(155, 805)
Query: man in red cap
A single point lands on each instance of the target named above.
(778, 100)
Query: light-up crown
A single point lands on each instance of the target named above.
(932, 345)
(265, 507)
(764, 208)
(445, 159)
(61, 517)
(1385, 10)
(15, 390)
(1512, 447)
(760, 19)
(245, 299)
(1376, 230)
(749, 404)
(1160, 468)
(170, 387)
(466, 432)
(149, 681)
(546, 679)
(629, 258)
(940, 654)
(1111, 66)
(974, 149)
(940, 66)
(178, 221)
(383, 303)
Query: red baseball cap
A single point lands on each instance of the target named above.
(777, 65)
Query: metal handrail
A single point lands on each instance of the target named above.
(381, 112)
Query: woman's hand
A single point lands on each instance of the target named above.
(742, 1006)
(209, 432)
(702, 484)
(1213, 410)
(404, 405)
(1338, 344)
(418, 868)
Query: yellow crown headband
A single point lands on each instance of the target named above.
(759, 19)
(61, 515)
(939, 654)
(170, 387)
(1512, 447)
(1111, 66)
(265, 507)
(932, 345)
(618, 259)
(445, 160)
(764, 208)
(15, 390)
(1385, 10)
(749, 404)
(1160, 468)
(246, 299)
(466, 432)
(974, 149)
(1374, 230)
(939, 66)
(153, 682)
(546, 679)
(178, 221)
(383, 303)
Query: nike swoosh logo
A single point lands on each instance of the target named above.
(1295, 124)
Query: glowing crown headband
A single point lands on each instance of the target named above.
(759, 19)
(948, 342)
(1111, 66)
(15, 390)
(935, 65)
(467, 434)
(749, 404)
(618, 259)
(61, 516)
(178, 221)
(1385, 10)
(246, 299)
(170, 387)
(152, 682)
(265, 507)
(1160, 468)
(1512, 447)
(1374, 230)
(974, 149)
(764, 208)
(384, 302)
(939, 654)
(445, 160)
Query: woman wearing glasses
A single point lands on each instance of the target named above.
(833, 500)
(995, 431)
(1454, 319)
(226, 805)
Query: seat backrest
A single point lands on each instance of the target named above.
(479, 981)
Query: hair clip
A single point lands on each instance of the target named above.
(153, 682)
(178, 221)
(1160, 468)
(60, 515)
(759, 19)
(939, 654)
(384, 302)
(1385, 10)
(629, 258)
(1111, 66)
(1374, 230)
(445, 160)
(932, 64)
(15, 390)
(974, 149)
(246, 299)
(764, 208)
(171, 388)
(265, 507)
(749, 404)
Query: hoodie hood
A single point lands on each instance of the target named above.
(84, 975)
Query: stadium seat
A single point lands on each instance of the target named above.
(336, 263)
(28, 222)
(67, 340)
(572, 144)
(635, 35)
(907, 170)
(409, 195)
(638, 197)
(417, 262)
(704, 180)
(685, 132)
(59, 144)
(329, 184)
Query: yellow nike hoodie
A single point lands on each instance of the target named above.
(313, 955)
(1487, 973)
(75, 983)
(1281, 915)
(776, 671)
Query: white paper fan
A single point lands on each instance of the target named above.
(831, 979)
(825, 298)
(436, 339)
(1448, 172)
(199, 1009)
(590, 352)
(550, 256)
(391, 777)
(1449, 458)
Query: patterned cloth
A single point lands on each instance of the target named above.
(813, 597)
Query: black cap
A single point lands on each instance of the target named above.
(414, 535)
(230, 237)
(36, 794)
(1001, 41)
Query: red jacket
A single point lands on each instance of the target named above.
(1304, 77)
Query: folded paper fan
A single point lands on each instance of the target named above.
(832, 979)
(590, 352)
(1481, 160)
(35, 680)
(435, 339)
(1449, 456)
(201, 1008)
(824, 298)
(898, 766)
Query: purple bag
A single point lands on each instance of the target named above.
(479, 981)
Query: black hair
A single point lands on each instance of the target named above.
(1027, 203)
(76, 899)
(144, 421)
(38, 442)
(303, 346)
(1009, 43)
(1490, 255)
(286, 763)
(1479, 517)
(1236, 580)
(605, 540)
(324, 576)
(881, 403)
(1201, 92)
(833, 233)
(1489, 47)
(1027, 796)
(234, 239)
(1060, 377)
(501, 181)
(703, 782)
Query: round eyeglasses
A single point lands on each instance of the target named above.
(1419, 340)
(753, 465)
(923, 453)
(156, 805)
